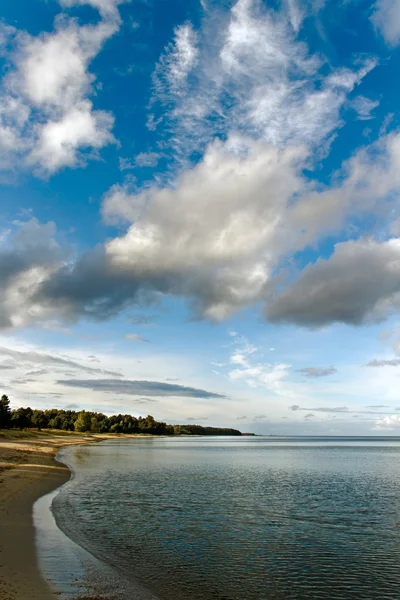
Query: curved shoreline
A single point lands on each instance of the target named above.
(28, 471)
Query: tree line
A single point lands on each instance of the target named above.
(86, 421)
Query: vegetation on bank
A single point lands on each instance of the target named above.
(93, 422)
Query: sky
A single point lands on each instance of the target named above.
(200, 211)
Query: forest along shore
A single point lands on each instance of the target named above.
(28, 470)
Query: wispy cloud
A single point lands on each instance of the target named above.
(245, 71)
(137, 388)
(8, 364)
(339, 409)
(256, 373)
(32, 357)
(392, 362)
(107, 8)
(327, 409)
(315, 372)
(364, 107)
(135, 337)
(147, 159)
(143, 319)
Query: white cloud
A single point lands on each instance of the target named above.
(201, 234)
(107, 8)
(249, 73)
(221, 230)
(46, 117)
(389, 422)
(26, 259)
(121, 206)
(125, 164)
(255, 373)
(147, 159)
(79, 129)
(178, 61)
(386, 19)
(219, 235)
(296, 14)
(363, 107)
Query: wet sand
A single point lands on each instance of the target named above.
(28, 470)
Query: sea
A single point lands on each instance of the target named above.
(238, 518)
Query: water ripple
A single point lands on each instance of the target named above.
(231, 522)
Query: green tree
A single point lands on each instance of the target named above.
(95, 424)
(84, 422)
(39, 419)
(5, 412)
(22, 418)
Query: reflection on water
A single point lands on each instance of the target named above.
(254, 518)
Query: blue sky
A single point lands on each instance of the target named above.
(200, 211)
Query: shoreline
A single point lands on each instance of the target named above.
(28, 471)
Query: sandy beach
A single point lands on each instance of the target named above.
(28, 470)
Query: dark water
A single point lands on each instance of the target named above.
(252, 518)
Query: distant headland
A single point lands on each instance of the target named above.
(92, 422)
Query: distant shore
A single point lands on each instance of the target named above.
(28, 470)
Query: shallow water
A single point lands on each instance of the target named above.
(239, 518)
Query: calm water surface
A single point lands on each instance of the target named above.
(240, 518)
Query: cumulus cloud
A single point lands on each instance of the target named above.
(219, 233)
(389, 422)
(197, 240)
(119, 205)
(46, 117)
(386, 19)
(149, 388)
(315, 372)
(361, 281)
(27, 258)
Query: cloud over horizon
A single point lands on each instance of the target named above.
(131, 387)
